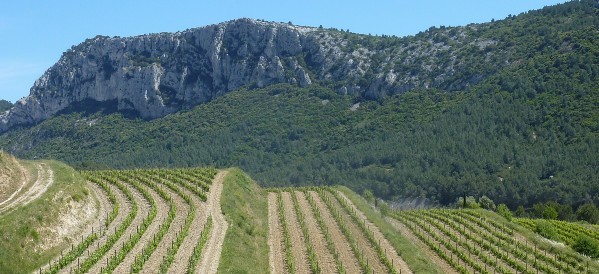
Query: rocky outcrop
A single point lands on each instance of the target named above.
(157, 74)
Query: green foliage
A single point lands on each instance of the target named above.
(589, 213)
(5, 105)
(504, 211)
(469, 203)
(587, 246)
(486, 203)
(368, 196)
(546, 229)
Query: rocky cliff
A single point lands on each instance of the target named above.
(157, 74)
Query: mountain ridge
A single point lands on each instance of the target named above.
(526, 132)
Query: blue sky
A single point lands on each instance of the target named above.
(36, 33)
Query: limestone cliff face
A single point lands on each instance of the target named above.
(158, 74)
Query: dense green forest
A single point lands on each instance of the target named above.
(528, 133)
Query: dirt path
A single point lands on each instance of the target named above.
(182, 208)
(298, 247)
(124, 209)
(211, 253)
(182, 257)
(406, 232)
(143, 208)
(398, 263)
(326, 262)
(45, 178)
(346, 255)
(275, 237)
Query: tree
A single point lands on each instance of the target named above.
(520, 212)
(588, 212)
(504, 211)
(384, 208)
(368, 196)
(469, 203)
(486, 203)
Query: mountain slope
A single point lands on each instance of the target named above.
(523, 129)
(157, 74)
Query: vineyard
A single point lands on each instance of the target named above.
(469, 241)
(565, 232)
(154, 221)
(200, 220)
(320, 230)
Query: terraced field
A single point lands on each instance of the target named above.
(154, 221)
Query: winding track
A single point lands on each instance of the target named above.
(211, 253)
(45, 178)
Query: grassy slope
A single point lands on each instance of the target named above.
(244, 204)
(417, 261)
(19, 229)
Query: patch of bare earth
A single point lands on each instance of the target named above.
(398, 263)
(167, 242)
(143, 208)
(45, 178)
(370, 254)
(275, 237)
(210, 258)
(298, 247)
(342, 246)
(406, 232)
(326, 262)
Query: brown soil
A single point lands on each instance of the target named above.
(275, 237)
(370, 254)
(326, 262)
(407, 233)
(155, 260)
(211, 253)
(342, 246)
(298, 247)
(398, 262)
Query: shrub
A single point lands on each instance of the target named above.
(546, 229)
(587, 246)
(486, 203)
(504, 211)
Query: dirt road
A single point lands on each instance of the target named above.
(211, 253)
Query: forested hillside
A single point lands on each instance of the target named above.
(522, 128)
